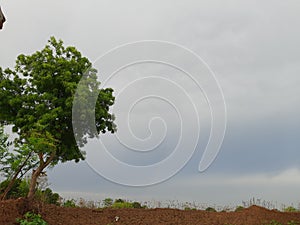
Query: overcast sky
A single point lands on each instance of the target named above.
(253, 49)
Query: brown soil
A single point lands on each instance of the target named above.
(54, 215)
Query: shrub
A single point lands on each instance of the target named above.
(122, 205)
(107, 202)
(290, 209)
(20, 188)
(239, 208)
(47, 196)
(69, 203)
(136, 205)
(119, 201)
(32, 219)
(210, 209)
(189, 208)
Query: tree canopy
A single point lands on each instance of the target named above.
(36, 97)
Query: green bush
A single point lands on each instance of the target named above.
(32, 219)
(239, 208)
(122, 205)
(119, 201)
(107, 202)
(210, 209)
(290, 209)
(20, 188)
(189, 208)
(69, 203)
(137, 205)
(47, 196)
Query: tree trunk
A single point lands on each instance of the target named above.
(9, 187)
(13, 180)
(36, 173)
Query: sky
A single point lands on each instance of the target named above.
(250, 48)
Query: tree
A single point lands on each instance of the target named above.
(36, 98)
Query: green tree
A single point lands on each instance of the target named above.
(36, 98)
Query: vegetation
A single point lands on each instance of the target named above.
(290, 209)
(210, 209)
(239, 208)
(120, 204)
(32, 219)
(14, 164)
(69, 203)
(19, 189)
(36, 98)
(108, 202)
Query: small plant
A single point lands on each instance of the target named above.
(32, 219)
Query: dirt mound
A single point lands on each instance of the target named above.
(54, 215)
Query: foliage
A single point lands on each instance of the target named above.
(210, 209)
(119, 200)
(69, 203)
(32, 219)
(290, 209)
(36, 97)
(137, 205)
(108, 202)
(19, 189)
(122, 205)
(4, 144)
(17, 162)
(189, 208)
(48, 196)
(292, 222)
(239, 208)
